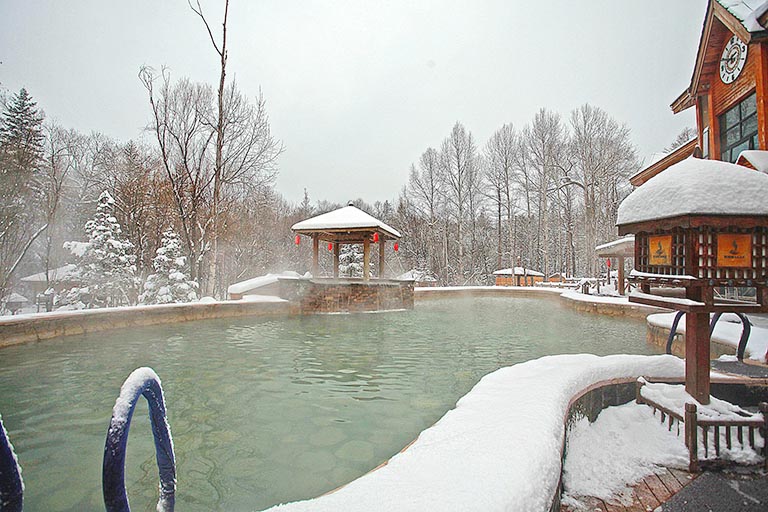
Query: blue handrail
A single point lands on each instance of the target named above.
(11, 485)
(673, 331)
(142, 381)
(746, 330)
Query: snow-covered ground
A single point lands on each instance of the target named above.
(499, 449)
(727, 331)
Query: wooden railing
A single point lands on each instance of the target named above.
(692, 423)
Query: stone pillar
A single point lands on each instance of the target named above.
(366, 258)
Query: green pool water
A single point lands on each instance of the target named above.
(265, 411)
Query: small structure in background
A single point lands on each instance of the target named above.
(14, 302)
(620, 249)
(699, 226)
(518, 276)
(347, 226)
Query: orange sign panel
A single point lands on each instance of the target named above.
(660, 250)
(734, 250)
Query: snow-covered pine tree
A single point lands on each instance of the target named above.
(170, 283)
(106, 268)
(351, 261)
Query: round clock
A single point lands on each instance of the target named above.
(733, 59)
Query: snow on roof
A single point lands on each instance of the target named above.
(259, 282)
(517, 271)
(344, 218)
(499, 449)
(65, 273)
(697, 187)
(747, 12)
(756, 157)
(626, 243)
(15, 297)
(416, 275)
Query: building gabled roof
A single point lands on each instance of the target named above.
(67, 273)
(748, 19)
(658, 165)
(348, 218)
(517, 271)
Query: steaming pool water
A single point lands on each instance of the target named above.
(265, 411)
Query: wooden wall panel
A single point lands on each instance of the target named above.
(725, 96)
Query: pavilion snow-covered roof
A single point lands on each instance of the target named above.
(348, 218)
(697, 187)
(756, 158)
(624, 246)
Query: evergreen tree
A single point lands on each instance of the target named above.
(106, 268)
(170, 283)
(21, 148)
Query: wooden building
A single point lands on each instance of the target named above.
(728, 89)
(518, 276)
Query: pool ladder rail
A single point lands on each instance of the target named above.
(141, 382)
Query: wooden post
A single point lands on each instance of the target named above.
(336, 249)
(381, 257)
(697, 352)
(315, 257)
(366, 258)
(691, 437)
(763, 407)
(621, 275)
(761, 89)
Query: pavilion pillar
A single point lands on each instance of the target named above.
(621, 275)
(366, 258)
(336, 260)
(381, 257)
(315, 255)
(697, 354)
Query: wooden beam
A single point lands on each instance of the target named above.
(381, 257)
(621, 275)
(761, 90)
(315, 255)
(336, 249)
(366, 259)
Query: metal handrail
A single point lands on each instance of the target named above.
(673, 330)
(142, 381)
(11, 485)
(746, 329)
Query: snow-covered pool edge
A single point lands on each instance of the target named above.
(499, 449)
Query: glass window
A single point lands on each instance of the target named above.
(738, 129)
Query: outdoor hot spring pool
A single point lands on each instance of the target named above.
(265, 411)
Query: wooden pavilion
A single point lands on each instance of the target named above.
(621, 249)
(347, 225)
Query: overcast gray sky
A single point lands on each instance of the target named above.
(357, 90)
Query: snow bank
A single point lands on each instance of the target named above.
(258, 282)
(696, 186)
(624, 445)
(726, 332)
(674, 397)
(498, 450)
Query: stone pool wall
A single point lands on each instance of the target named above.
(347, 295)
(658, 335)
(25, 328)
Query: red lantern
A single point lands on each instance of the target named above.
(396, 247)
(608, 262)
(375, 237)
(298, 239)
(330, 246)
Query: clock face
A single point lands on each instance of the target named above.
(733, 59)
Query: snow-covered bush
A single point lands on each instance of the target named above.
(170, 283)
(351, 261)
(106, 268)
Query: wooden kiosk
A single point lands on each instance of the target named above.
(699, 226)
(348, 225)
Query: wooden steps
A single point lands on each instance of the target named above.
(647, 495)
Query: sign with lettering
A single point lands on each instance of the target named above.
(734, 250)
(660, 250)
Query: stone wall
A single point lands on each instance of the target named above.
(347, 295)
(21, 329)
(657, 336)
